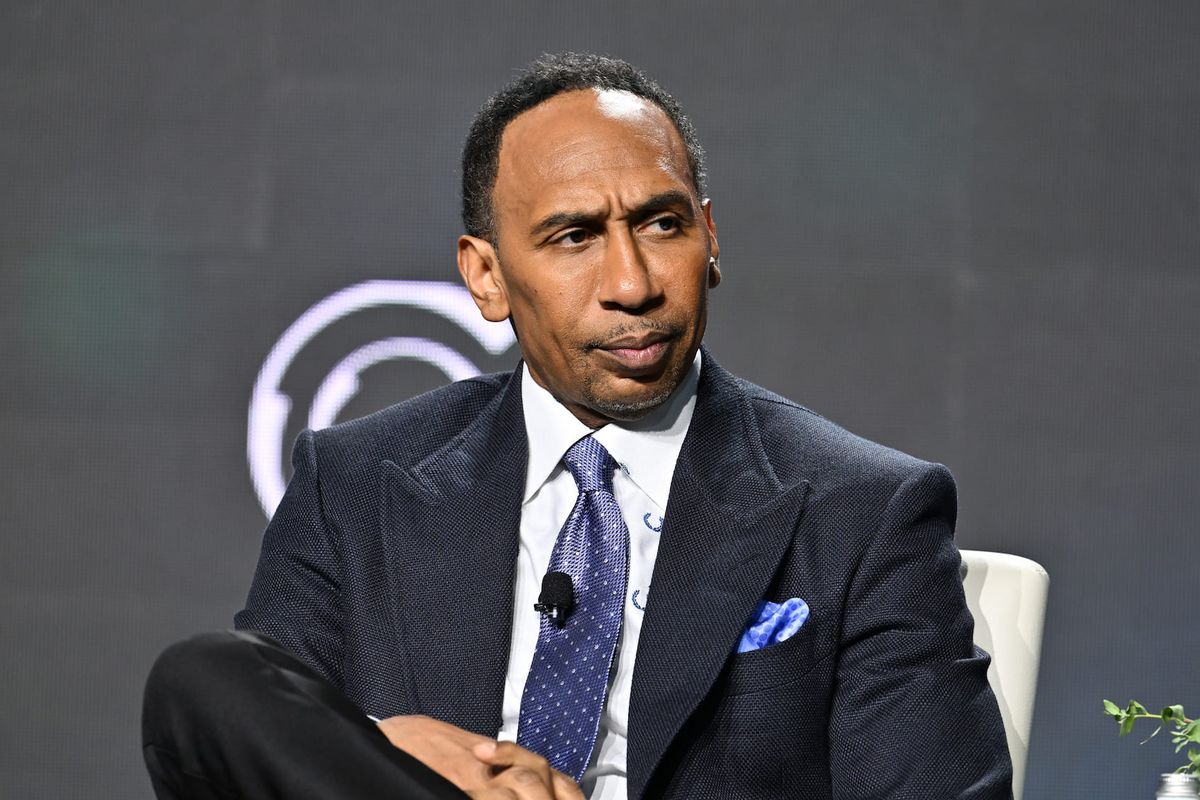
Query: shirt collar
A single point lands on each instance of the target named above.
(646, 449)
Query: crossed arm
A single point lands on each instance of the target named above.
(483, 768)
(301, 566)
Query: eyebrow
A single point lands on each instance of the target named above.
(673, 198)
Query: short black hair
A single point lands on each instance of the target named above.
(552, 75)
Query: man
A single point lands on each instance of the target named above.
(759, 604)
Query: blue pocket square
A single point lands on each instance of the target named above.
(773, 623)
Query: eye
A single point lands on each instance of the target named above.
(575, 236)
(664, 224)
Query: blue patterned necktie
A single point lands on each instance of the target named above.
(565, 690)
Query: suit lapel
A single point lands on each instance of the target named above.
(451, 526)
(728, 525)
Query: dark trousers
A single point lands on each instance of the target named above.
(234, 715)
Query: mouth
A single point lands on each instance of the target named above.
(638, 354)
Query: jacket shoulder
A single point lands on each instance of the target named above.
(412, 429)
(799, 441)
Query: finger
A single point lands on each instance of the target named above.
(405, 731)
(525, 783)
(506, 755)
(564, 787)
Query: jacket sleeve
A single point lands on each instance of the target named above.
(913, 715)
(295, 596)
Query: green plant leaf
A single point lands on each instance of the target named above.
(1183, 731)
(1172, 713)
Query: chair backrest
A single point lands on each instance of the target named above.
(1007, 597)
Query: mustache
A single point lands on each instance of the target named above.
(669, 329)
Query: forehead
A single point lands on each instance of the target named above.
(583, 142)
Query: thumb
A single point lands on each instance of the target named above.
(565, 788)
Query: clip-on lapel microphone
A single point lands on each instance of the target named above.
(557, 597)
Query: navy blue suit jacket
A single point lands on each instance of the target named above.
(389, 567)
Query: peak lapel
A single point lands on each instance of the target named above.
(728, 525)
(451, 525)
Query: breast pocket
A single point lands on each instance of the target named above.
(779, 664)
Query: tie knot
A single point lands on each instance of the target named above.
(590, 464)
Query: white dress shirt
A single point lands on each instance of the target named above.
(646, 451)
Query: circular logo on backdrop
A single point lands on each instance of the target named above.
(270, 405)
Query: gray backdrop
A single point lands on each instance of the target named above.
(969, 230)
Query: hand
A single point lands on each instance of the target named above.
(481, 767)
(514, 768)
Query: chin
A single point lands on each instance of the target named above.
(627, 407)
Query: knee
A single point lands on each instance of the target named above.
(188, 664)
(199, 674)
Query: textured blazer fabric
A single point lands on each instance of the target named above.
(389, 568)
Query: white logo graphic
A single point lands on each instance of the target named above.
(269, 406)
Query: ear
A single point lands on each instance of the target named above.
(480, 269)
(714, 263)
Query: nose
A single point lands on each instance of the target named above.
(626, 281)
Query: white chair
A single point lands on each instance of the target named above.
(1007, 597)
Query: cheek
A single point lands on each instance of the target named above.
(687, 287)
(561, 291)
(549, 327)
(564, 311)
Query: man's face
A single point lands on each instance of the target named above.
(603, 252)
